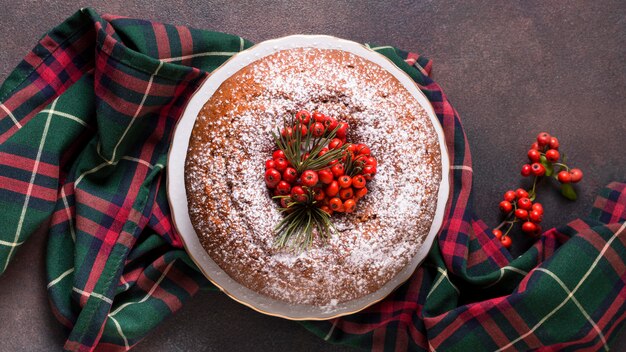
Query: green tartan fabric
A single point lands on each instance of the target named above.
(85, 125)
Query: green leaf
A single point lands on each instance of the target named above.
(568, 191)
(547, 165)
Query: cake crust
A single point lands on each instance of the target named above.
(233, 213)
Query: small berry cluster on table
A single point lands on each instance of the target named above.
(315, 173)
(520, 206)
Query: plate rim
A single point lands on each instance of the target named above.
(180, 213)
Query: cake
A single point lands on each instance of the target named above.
(234, 215)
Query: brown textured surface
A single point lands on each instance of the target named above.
(232, 210)
(510, 69)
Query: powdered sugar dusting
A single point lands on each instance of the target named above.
(232, 210)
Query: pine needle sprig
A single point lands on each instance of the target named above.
(303, 221)
(352, 166)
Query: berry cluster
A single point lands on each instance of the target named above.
(520, 205)
(336, 188)
(316, 173)
(544, 155)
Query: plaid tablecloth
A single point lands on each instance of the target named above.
(85, 124)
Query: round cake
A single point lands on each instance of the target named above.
(233, 212)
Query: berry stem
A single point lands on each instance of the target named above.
(562, 165)
(532, 194)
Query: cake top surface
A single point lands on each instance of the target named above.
(232, 210)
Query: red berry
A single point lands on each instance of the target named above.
(303, 116)
(284, 202)
(360, 193)
(337, 170)
(534, 155)
(554, 143)
(327, 209)
(270, 164)
(290, 175)
(497, 233)
(330, 123)
(362, 149)
(272, 177)
(278, 154)
(309, 178)
(345, 181)
(521, 214)
(552, 155)
(526, 170)
(543, 138)
(509, 196)
(537, 230)
(537, 169)
(303, 130)
(342, 130)
(325, 176)
(576, 175)
(535, 146)
(371, 161)
(335, 204)
(349, 205)
(521, 193)
(506, 206)
(524, 203)
(317, 130)
(335, 143)
(535, 216)
(318, 116)
(369, 170)
(281, 164)
(538, 207)
(332, 189)
(283, 188)
(529, 227)
(346, 193)
(318, 194)
(564, 177)
(506, 241)
(298, 194)
(358, 181)
(287, 132)
(323, 151)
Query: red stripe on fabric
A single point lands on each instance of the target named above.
(478, 311)
(60, 216)
(162, 40)
(109, 347)
(133, 275)
(139, 85)
(619, 208)
(186, 43)
(21, 187)
(95, 202)
(86, 225)
(27, 164)
(111, 235)
(147, 284)
(402, 337)
(75, 346)
(183, 280)
(518, 323)
(60, 317)
(16, 100)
